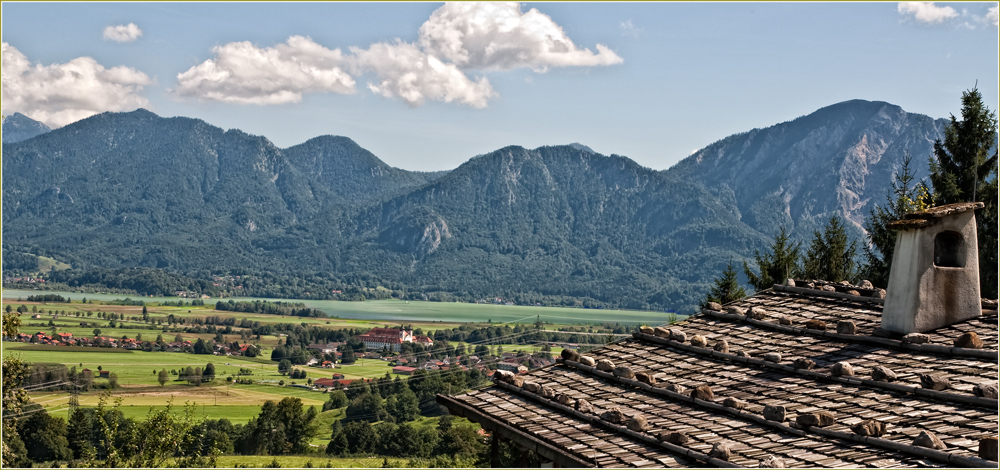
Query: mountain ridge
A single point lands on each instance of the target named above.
(136, 189)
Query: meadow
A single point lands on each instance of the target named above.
(137, 371)
(380, 312)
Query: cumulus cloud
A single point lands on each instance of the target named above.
(926, 12)
(413, 76)
(122, 33)
(456, 39)
(60, 94)
(993, 16)
(497, 36)
(246, 74)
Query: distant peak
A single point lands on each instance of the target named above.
(330, 139)
(582, 147)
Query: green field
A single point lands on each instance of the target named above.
(136, 368)
(395, 311)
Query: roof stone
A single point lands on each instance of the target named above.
(829, 419)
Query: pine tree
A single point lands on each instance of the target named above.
(904, 197)
(830, 257)
(727, 288)
(962, 170)
(777, 266)
(338, 441)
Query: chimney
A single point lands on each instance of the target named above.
(934, 277)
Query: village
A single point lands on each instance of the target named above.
(381, 344)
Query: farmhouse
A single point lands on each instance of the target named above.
(403, 370)
(803, 375)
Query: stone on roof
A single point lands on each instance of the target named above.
(760, 413)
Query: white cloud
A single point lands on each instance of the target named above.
(629, 29)
(410, 74)
(458, 37)
(926, 12)
(60, 94)
(122, 33)
(993, 16)
(497, 36)
(246, 74)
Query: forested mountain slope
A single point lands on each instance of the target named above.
(135, 189)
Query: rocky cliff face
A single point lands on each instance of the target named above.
(837, 160)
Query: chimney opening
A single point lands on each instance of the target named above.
(949, 250)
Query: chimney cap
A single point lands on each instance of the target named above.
(928, 217)
(941, 211)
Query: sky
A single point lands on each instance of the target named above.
(426, 86)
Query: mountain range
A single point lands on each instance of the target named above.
(136, 189)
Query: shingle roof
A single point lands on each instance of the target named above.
(547, 405)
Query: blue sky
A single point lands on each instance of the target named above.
(426, 86)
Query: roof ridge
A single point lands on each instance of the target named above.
(825, 293)
(891, 387)
(946, 457)
(903, 345)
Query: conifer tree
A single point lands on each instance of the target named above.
(904, 197)
(777, 266)
(830, 257)
(727, 288)
(962, 170)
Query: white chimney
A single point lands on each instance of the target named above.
(934, 277)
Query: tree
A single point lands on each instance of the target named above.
(367, 407)
(403, 406)
(200, 347)
(14, 397)
(163, 377)
(904, 197)
(338, 441)
(347, 355)
(338, 399)
(209, 373)
(284, 366)
(830, 257)
(962, 170)
(44, 435)
(361, 438)
(777, 266)
(461, 442)
(280, 428)
(727, 288)
(79, 433)
(97, 332)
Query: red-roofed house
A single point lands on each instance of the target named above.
(403, 370)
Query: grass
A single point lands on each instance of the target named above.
(46, 264)
(380, 312)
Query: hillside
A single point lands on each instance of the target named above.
(135, 189)
(837, 160)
